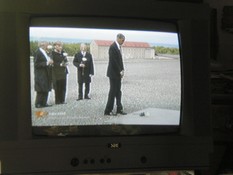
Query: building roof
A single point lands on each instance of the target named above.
(103, 42)
(126, 43)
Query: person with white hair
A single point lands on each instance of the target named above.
(85, 70)
(43, 75)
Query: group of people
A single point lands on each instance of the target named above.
(50, 70)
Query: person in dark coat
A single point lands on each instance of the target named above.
(60, 72)
(85, 70)
(115, 72)
(43, 75)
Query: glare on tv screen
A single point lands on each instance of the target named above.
(150, 87)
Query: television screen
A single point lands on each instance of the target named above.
(75, 104)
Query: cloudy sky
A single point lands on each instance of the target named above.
(104, 34)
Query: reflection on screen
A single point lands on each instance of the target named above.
(151, 86)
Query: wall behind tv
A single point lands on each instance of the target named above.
(225, 38)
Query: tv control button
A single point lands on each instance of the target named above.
(85, 161)
(102, 160)
(143, 159)
(108, 160)
(92, 161)
(74, 162)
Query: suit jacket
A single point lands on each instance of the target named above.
(84, 73)
(115, 64)
(59, 72)
(42, 72)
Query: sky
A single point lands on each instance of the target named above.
(104, 34)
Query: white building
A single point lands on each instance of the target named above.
(130, 50)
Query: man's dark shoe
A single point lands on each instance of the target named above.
(121, 113)
(87, 97)
(109, 113)
(38, 106)
(79, 99)
(47, 105)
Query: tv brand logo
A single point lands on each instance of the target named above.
(114, 145)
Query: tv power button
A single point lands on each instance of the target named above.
(143, 159)
(74, 162)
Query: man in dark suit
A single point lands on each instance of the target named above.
(85, 70)
(115, 72)
(43, 79)
(60, 72)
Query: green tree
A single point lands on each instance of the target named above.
(166, 50)
(33, 47)
(70, 48)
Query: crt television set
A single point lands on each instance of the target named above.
(167, 98)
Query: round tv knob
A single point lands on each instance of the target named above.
(143, 159)
(74, 162)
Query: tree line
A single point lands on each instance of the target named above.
(73, 48)
(70, 48)
(166, 50)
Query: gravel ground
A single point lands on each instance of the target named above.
(147, 84)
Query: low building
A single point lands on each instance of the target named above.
(130, 50)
